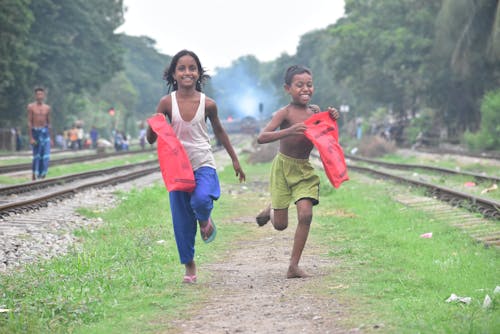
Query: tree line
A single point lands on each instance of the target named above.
(433, 64)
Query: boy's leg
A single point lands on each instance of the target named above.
(44, 156)
(264, 216)
(304, 213)
(279, 218)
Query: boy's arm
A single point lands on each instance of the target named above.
(30, 123)
(270, 134)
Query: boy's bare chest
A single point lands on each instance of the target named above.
(39, 110)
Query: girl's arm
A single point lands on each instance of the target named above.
(220, 133)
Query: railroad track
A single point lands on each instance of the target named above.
(487, 207)
(69, 160)
(29, 196)
(43, 227)
(442, 201)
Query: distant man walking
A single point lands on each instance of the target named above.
(39, 131)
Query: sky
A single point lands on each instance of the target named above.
(221, 31)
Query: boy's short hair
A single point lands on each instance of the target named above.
(294, 70)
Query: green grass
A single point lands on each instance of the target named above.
(398, 278)
(125, 281)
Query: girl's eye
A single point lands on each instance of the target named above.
(193, 68)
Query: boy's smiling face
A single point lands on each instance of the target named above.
(301, 89)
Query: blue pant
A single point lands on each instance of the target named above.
(41, 151)
(188, 208)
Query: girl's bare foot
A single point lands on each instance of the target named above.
(296, 272)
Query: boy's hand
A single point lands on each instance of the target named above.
(334, 114)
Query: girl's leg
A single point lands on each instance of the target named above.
(202, 199)
(185, 228)
(304, 213)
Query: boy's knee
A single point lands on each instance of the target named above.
(305, 218)
(280, 226)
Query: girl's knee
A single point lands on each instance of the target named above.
(201, 203)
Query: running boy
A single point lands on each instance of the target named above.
(292, 175)
(187, 109)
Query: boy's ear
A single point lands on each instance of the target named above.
(286, 87)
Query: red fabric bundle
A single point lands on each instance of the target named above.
(322, 131)
(175, 166)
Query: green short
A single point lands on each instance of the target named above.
(292, 180)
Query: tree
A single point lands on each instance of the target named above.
(15, 61)
(381, 48)
(466, 60)
(144, 67)
(75, 48)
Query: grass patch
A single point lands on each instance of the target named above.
(126, 277)
(397, 278)
(128, 270)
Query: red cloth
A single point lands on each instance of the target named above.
(175, 166)
(322, 131)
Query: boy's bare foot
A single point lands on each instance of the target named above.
(296, 272)
(264, 216)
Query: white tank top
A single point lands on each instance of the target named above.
(193, 135)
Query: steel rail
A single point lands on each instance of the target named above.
(27, 204)
(63, 161)
(477, 176)
(45, 183)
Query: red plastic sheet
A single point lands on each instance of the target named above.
(322, 131)
(175, 166)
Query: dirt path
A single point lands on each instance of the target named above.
(252, 295)
(249, 292)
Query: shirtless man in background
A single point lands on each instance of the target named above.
(39, 132)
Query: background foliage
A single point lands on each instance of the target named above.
(403, 58)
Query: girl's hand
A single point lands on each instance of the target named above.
(334, 114)
(239, 172)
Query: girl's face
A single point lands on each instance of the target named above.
(186, 72)
(301, 89)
